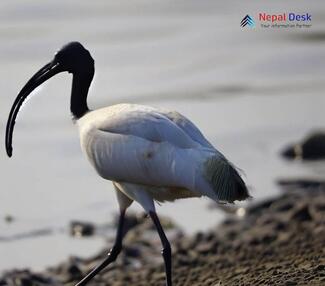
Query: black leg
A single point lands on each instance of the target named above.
(166, 251)
(112, 255)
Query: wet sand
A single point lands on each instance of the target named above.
(276, 242)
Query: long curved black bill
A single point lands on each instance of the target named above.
(41, 76)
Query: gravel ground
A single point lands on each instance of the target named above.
(280, 241)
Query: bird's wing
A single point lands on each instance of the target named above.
(155, 126)
(129, 158)
(188, 127)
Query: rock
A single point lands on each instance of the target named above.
(321, 268)
(132, 252)
(302, 214)
(283, 206)
(74, 271)
(301, 183)
(290, 283)
(79, 228)
(259, 207)
(311, 148)
(280, 226)
(205, 248)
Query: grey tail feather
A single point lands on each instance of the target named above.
(225, 180)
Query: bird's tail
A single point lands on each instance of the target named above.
(224, 180)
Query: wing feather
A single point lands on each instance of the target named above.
(150, 125)
(188, 127)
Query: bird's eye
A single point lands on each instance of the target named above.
(58, 55)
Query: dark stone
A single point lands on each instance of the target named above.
(320, 267)
(74, 271)
(256, 208)
(279, 226)
(311, 148)
(283, 206)
(268, 238)
(290, 283)
(204, 248)
(301, 183)
(289, 152)
(132, 252)
(320, 207)
(79, 228)
(25, 282)
(302, 214)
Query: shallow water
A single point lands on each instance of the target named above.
(250, 91)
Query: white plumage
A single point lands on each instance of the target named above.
(150, 154)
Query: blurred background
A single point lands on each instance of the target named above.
(250, 91)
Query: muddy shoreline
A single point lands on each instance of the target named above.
(279, 241)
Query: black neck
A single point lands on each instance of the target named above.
(80, 86)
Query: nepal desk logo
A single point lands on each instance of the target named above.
(247, 21)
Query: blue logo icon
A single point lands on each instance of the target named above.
(247, 20)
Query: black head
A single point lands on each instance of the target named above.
(72, 58)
